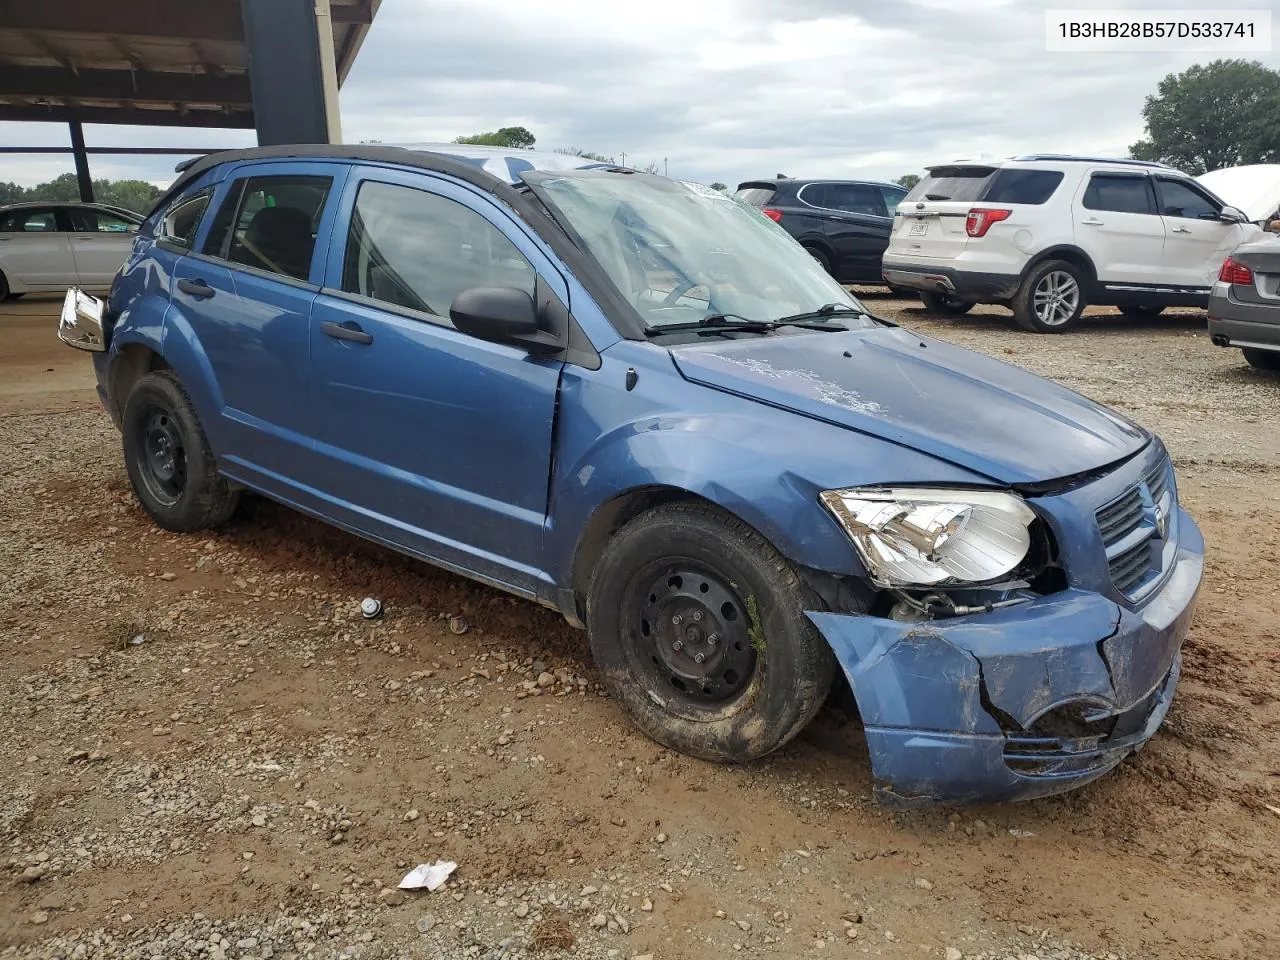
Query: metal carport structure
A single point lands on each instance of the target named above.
(274, 66)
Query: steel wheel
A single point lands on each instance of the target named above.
(1056, 298)
(687, 634)
(163, 456)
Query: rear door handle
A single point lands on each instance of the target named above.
(1092, 222)
(348, 331)
(197, 288)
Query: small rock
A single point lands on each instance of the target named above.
(923, 884)
(618, 822)
(248, 943)
(168, 576)
(259, 821)
(647, 905)
(661, 838)
(411, 816)
(545, 679)
(458, 625)
(851, 933)
(599, 921)
(425, 923)
(39, 917)
(743, 925)
(32, 874)
(522, 910)
(391, 897)
(954, 954)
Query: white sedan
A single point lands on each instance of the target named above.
(52, 246)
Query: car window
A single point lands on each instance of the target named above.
(856, 198)
(962, 182)
(86, 220)
(180, 222)
(1118, 192)
(814, 194)
(29, 221)
(756, 196)
(274, 223)
(420, 250)
(892, 197)
(1179, 199)
(1022, 186)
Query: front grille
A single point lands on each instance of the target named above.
(1132, 528)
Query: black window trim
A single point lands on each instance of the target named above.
(1153, 202)
(846, 213)
(1190, 184)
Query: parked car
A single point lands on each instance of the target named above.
(640, 403)
(50, 246)
(844, 224)
(1244, 310)
(1048, 235)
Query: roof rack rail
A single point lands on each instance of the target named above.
(1071, 158)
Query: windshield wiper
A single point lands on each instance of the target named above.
(825, 311)
(714, 322)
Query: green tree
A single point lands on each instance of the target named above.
(137, 195)
(11, 193)
(1215, 115)
(719, 186)
(908, 180)
(504, 137)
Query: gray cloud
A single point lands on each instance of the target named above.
(728, 89)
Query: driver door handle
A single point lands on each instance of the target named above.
(345, 331)
(1180, 229)
(1092, 222)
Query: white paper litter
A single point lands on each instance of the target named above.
(429, 875)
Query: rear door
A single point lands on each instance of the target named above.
(1116, 224)
(1195, 240)
(100, 244)
(245, 293)
(35, 249)
(933, 215)
(857, 225)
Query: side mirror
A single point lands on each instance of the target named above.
(502, 315)
(1232, 215)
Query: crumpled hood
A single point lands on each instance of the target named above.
(951, 403)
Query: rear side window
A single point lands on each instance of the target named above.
(419, 250)
(29, 221)
(1022, 186)
(756, 196)
(854, 198)
(1178, 199)
(98, 221)
(181, 220)
(270, 223)
(953, 183)
(892, 197)
(1119, 193)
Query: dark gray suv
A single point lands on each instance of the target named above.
(844, 224)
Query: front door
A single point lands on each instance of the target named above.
(430, 439)
(858, 230)
(34, 248)
(1116, 224)
(1195, 240)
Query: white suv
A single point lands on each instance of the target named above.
(1047, 235)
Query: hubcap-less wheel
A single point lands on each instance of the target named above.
(164, 456)
(689, 636)
(1056, 298)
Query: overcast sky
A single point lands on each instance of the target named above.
(722, 89)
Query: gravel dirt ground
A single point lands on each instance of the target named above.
(206, 752)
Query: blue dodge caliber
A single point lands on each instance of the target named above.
(640, 402)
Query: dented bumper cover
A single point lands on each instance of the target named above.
(1022, 702)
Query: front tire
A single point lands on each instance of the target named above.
(1262, 359)
(697, 626)
(944, 304)
(1051, 299)
(168, 459)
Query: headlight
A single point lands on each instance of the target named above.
(920, 536)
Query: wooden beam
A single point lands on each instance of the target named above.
(233, 120)
(176, 19)
(54, 83)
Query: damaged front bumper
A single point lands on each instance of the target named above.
(1020, 703)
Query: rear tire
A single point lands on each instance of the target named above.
(4, 288)
(823, 260)
(1138, 312)
(1262, 359)
(1051, 298)
(168, 459)
(697, 626)
(944, 304)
